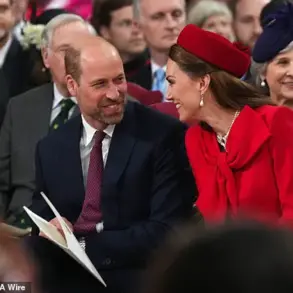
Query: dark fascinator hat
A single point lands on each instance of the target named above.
(277, 34)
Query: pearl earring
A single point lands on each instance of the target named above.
(262, 84)
(201, 103)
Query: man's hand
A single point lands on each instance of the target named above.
(56, 223)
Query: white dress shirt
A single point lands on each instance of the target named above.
(56, 108)
(18, 30)
(87, 143)
(154, 68)
(4, 51)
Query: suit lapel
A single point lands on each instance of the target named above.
(71, 157)
(122, 143)
(42, 109)
(76, 111)
(121, 147)
(120, 150)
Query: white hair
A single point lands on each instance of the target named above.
(136, 8)
(61, 20)
(259, 69)
(204, 9)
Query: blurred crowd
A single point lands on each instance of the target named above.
(194, 101)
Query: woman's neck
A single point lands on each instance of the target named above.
(219, 119)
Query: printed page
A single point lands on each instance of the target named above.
(69, 244)
(47, 228)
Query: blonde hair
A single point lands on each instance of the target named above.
(204, 9)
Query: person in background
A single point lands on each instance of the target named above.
(246, 20)
(82, 8)
(19, 10)
(239, 257)
(39, 74)
(240, 134)
(32, 115)
(270, 8)
(212, 16)
(116, 25)
(13, 59)
(252, 76)
(16, 265)
(273, 56)
(160, 22)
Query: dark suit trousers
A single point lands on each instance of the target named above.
(57, 272)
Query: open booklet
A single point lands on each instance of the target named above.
(69, 243)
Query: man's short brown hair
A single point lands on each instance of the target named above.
(232, 4)
(72, 63)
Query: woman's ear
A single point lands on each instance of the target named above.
(204, 83)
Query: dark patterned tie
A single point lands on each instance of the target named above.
(66, 105)
(91, 213)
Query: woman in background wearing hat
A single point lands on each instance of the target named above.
(273, 56)
(242, 151)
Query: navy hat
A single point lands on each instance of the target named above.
(276, 36)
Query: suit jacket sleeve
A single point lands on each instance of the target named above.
(281, 146)
(171, 199)
(39, 205)
(5, 161)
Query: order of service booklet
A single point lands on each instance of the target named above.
(69, 243)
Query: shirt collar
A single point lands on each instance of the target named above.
(18, 29)
(89, 131)
(4, 50)
(155, 67)
(58, 97)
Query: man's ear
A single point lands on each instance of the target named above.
(45, 53)
(104, 32)
(72, 85)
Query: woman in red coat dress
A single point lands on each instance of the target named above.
(241, 152)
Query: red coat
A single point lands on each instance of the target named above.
(254, 177)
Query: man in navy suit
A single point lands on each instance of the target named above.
(146, 188)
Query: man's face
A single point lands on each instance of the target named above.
(101, 89)
(246, 22)
(6, 19)
(19, 8)
(53, 56)
(161, 22)
(123, 33)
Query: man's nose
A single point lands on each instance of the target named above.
(112, 92)
(171, 22)
(135, 28)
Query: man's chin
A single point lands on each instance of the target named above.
(113, 119)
